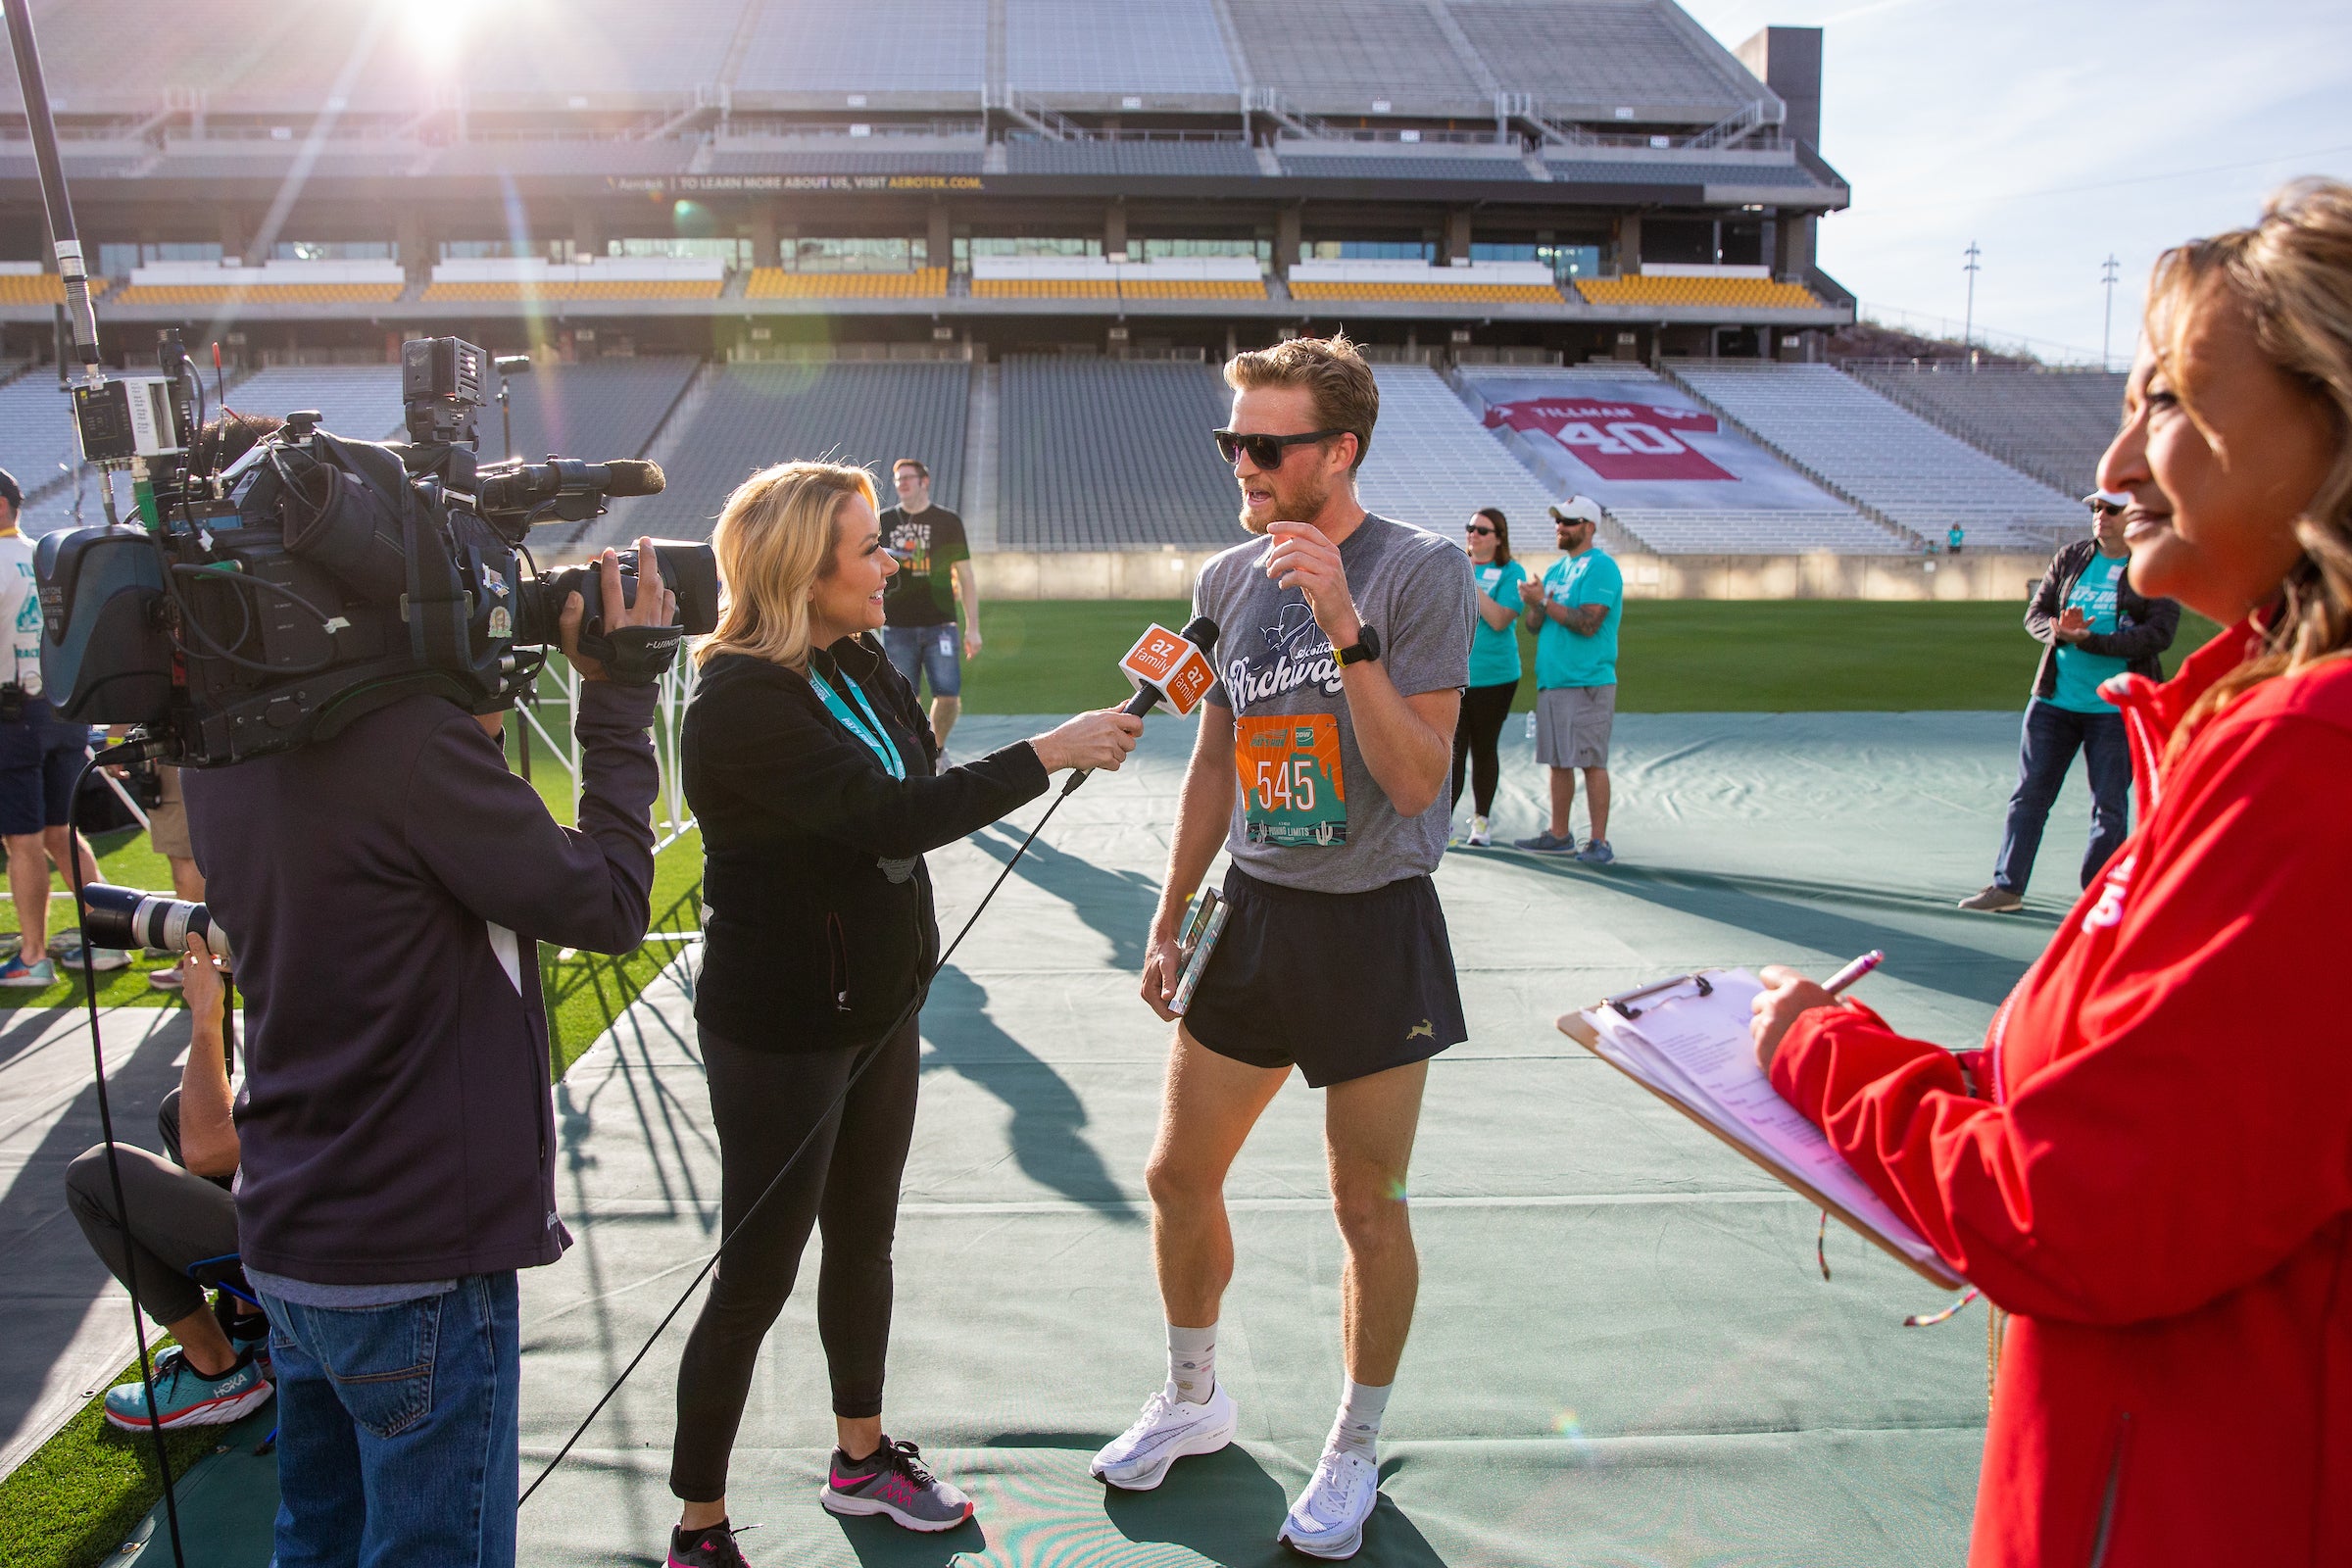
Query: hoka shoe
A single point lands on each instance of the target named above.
(69, 958)
(1328, 1519)
(36, 976)
(893, 1482)
(711, 1546)
(1481, 833)
(187, 1397)
(1168, 1429)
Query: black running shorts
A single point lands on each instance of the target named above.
(1341, 985)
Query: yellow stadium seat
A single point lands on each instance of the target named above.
(1044, 288)
(42, 288)
(1432, 293)
(1731, 293)
(1192, 289)
(272, 294)
(775, 284)
(648, 289)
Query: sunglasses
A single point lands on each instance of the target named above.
(1478, 527)
(2105, 509)
(1264, 451)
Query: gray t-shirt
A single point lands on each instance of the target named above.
(1308, 813)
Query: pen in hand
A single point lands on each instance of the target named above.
(1853, 971)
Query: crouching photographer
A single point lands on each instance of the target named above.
(387, 885)
(181, 1217)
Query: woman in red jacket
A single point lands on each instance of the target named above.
(2150, 1163)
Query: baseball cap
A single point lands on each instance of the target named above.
(2113, 498)
(10, 491)
(1575, 508)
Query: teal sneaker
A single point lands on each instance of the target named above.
(69, 956)
(187, 1397)
(24, 976)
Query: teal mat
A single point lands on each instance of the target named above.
(1624, 1352)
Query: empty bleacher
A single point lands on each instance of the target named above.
(753, 416)
(1374, 165)
(1759, 531)
(553, 156)
(1489, 283)
(779, 283)
(597, 409)
(359, 401)
(608, 279)
(1728, 293)
(1112, 455)
(39, 288)
(1196, 160)
(1884, 456)
(747, 160)
(1601, 52)
(272, 283)
(1344, 56)
(826, 47)
(2054, 424)
(1082, 46)
(36, 441)
(1762, 173)
(1432, 464)
(523, 54)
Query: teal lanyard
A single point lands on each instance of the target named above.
(877, 739)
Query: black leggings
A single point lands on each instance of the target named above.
(765, 1102)
(176, 1219)
(1484, 708)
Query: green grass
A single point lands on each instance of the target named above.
(70, 1504)
(1674, 656)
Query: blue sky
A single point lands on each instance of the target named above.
(2055, 134)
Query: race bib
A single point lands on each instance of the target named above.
(1292, 790)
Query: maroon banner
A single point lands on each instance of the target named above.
(1618, 441)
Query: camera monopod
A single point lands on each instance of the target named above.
(866, 1058)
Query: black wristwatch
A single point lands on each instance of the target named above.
(1366, 649)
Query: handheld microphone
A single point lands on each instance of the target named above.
(1168, 668)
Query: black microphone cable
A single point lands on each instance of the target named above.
(865, 1060)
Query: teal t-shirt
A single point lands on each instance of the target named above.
(2080, 673)
(1494, 655)
(1562, 657)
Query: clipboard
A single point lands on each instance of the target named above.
(1632, 1004)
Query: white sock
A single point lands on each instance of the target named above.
(1358, 1429)
(1193, 1363)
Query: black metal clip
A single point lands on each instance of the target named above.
(1623, 1000)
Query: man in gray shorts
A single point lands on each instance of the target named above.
(1573, 613)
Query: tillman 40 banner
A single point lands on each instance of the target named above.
(1626, 442)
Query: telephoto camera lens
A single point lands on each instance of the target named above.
(125, 917)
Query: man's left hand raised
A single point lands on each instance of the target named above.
(1305, 560)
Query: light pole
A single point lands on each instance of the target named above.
(2107, 275)
(1967, 324)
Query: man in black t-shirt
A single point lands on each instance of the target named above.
(935, 571)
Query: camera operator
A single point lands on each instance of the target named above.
(814, 776)
(182, 1214)
(40, 757)
(388, 887)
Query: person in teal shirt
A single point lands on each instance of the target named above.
(1574, 614)
(2092, 627)
(1494, 666)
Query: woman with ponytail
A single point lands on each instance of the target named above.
(2149, 1164)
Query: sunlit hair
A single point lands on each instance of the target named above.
(774, 540)
(1502, 533)
(2291, 273)
(1346, 396)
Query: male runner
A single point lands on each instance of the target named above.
(1322, 765)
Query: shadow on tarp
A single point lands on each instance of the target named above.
(1789, 912)
(227, 1505)
(1226, 1507)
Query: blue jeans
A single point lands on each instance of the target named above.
(2052, 736)
(933, 650)
(397, 1437)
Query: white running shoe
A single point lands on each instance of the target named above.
(1168, 1429)
(1328, 1519)
(1481, 834)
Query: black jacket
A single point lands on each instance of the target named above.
(2143, 627)
(395, 1123)
(807, 944)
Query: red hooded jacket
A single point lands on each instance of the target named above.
(2160, 1183)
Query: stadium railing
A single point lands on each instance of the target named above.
(1487, 282)
(1757, 290)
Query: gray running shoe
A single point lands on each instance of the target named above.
(893, 1482)
(1596, 853)
(1994, 900)
(1545, 844)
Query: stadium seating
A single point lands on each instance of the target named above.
(2054, 424)
(1132, 287)
(753, 416)
(275, 283)
(1319, 165)
(1491, 283)
(1728, 293)
(1199, 160)
(1035, 288)
(1344, 56)
(359, 401)
(1430, 293)
(1431, 463)
(561, 155)
(257, 294)
(744, 159)
(38, 444)
(1082, 46)
(1762, 173)
(597, 409)
(1759, 531)
(1832, 425)
(1587, 52)
(39, 288)
(1112, 455)
(776, 283)
(523, 53)
(611, 279)
(831, 46)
